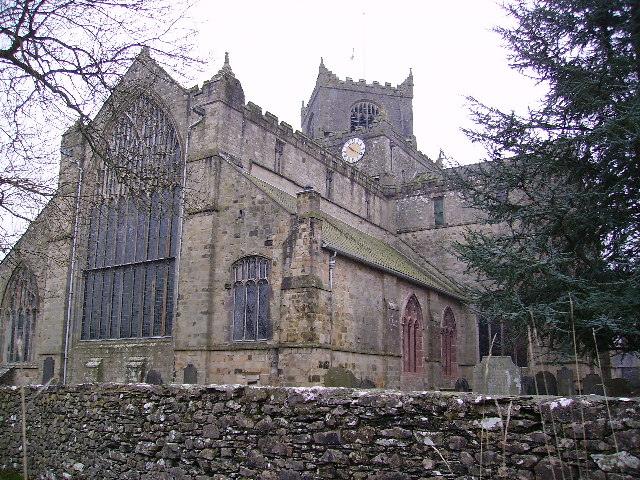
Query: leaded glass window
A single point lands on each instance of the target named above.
(133, 229)
(19, 311)
(449, 336)
(251, 293)
(363, 114)
(412, 351)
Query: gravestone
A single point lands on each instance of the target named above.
(496, 375)
(618, 387)
(546, 383)
(340, 377)
(153, 377)
(528, 385)
(592, 385)
(462, 385)
(190, 374)
(565, 382)
(47, 369)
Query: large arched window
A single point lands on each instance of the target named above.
(133, 229)
(251, 299)
(363, 115)
(412, 351)
(449, 347)
(19, 310)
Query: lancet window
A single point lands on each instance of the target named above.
(449, 344)
(251, 292)
(412, 350)
(133, 231)
(19, 311)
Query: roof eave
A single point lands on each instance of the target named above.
(404, 276)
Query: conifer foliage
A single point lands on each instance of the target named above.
(561, 184)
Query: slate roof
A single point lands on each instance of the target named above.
(357, 245)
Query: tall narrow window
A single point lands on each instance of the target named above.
(133, 229)
(19, 310)
(251, 293)
(449, 344)
(278, 152)
(363, 114)
(438, 211)
(329, 183)
(412, 351)
(367, 204)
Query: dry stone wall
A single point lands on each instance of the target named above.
(201, 432)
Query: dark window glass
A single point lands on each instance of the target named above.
(251, 294)
(263, 310)
(363, 114)
(238, 311)
(438, 211)
(133, 229)
(19, 311)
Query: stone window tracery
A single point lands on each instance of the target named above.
(363, 114)
(412, 350)
(133, 231)
(449, 344)
(19, 311)
(251, 292)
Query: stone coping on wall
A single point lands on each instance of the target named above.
(139, 431)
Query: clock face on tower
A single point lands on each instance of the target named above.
(353, 150)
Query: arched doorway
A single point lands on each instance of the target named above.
(449, 344)
(412, 350)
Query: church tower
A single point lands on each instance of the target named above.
(369, 125)
(339, 106)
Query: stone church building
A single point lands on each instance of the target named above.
(200, 240)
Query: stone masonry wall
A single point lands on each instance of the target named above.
(155, 432)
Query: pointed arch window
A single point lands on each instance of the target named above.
(251, 293)
(412, 349)
(363, 114)
(133, 231)
(449, 344)
(19, 312)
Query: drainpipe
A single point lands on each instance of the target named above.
(198, 110)
(70, 283)
(332, 265)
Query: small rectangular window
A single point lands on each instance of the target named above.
(438, 211)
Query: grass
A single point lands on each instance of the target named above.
(8, 475)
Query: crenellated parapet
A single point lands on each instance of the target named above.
(311, 147)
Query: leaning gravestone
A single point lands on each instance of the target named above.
(528, 386)
(618, 387)
(592, 385)
(565, 382)
(462, 385)
(546, 383)
(48, 367)
(153, 377)
(496, 376)
(190, 374)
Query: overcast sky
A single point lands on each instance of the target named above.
(275, 49)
